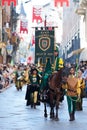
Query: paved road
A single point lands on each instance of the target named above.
(15, 115)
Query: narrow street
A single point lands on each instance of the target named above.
(15, 115)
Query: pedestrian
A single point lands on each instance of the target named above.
(72, 87)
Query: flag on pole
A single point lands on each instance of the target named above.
(36, 15)
(9, 2)
(61, 2)
(24, 26)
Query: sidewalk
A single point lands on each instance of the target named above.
(3, 89)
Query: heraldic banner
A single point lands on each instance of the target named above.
(44, 45)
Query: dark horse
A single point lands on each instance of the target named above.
(53, 94)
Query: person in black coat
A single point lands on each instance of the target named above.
(32, 91)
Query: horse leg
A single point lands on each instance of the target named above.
(52, 112)
(45, 110)
(57, 107)
(52, 104)
(56, 116)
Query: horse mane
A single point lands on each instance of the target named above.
(56, 79)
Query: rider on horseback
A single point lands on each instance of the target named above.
(58, 64)
(58, 61)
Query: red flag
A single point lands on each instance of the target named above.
(61, 2)
(9, 2)
(36, 16)
(23, 26)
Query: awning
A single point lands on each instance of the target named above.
(83, 55)
(78, 51)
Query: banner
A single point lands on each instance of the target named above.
(9, 2)
(44, 45)
(24, 26)
(36, 15)
(61, 2)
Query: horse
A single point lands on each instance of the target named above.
(53, 94)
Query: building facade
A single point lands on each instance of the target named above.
(81, 10)
(71, 33)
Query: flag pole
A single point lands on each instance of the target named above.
(45, 21)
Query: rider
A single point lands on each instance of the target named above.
(59, 63)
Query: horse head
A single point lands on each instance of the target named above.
(65, 73)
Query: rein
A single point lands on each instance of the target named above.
(77, 100)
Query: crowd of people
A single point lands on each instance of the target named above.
(6, 75)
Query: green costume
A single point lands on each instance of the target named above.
(58, 61)
(47, 72)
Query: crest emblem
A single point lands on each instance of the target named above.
(44, 43)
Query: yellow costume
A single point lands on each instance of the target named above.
(73, 91)
(82, 87)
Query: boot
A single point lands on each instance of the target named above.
(34, 105)
(71, 117)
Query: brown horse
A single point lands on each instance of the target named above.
(54, 94)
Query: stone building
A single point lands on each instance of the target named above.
(74, 30)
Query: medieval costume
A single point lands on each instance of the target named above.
(82, 86)
(72, 87)
(32, 92)
(26, 75)
(19, 78)
(58, 61)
